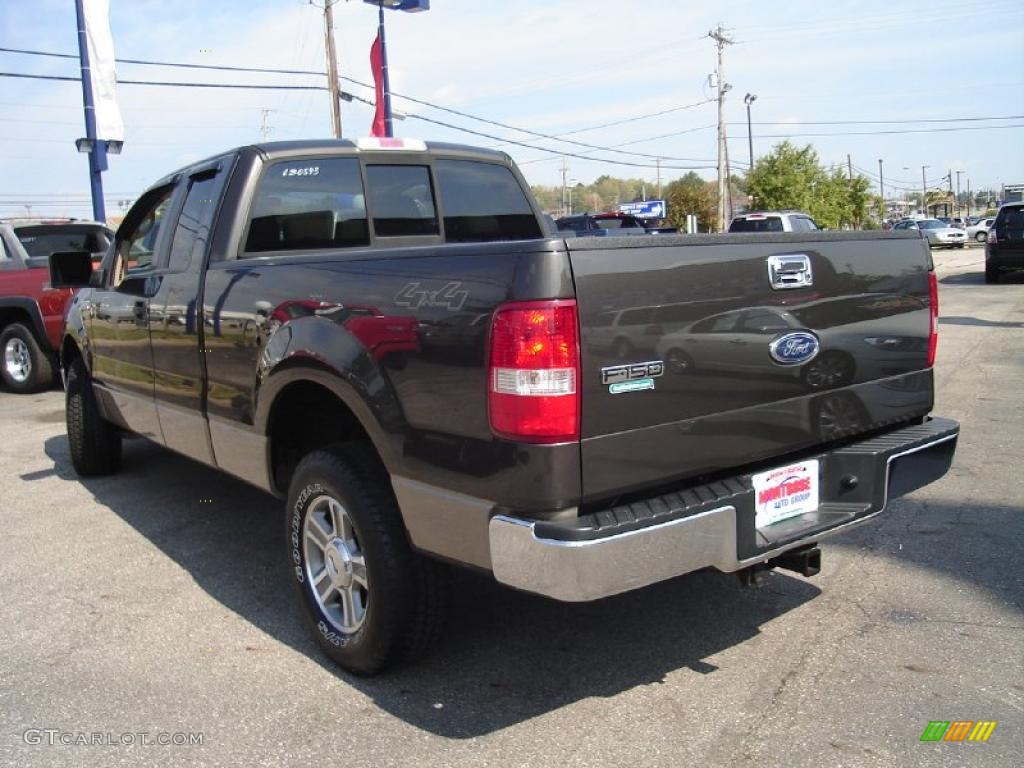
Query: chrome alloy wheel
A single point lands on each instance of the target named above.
(826, 372)
(17, 360)
(335, 566)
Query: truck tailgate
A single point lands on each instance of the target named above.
(702, 354)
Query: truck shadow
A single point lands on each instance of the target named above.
(506, 657)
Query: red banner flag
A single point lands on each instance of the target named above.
(377, 65)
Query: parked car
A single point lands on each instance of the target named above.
(31, 316)
(534, 455)
(938, 234)
(773, 221)
(601, 224)
(885, 340)
(1004, 249)
(43, 238)
(979, 230)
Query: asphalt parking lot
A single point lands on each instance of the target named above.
(155, 602)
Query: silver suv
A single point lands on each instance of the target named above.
(773, 221)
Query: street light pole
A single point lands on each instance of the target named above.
(749, 99)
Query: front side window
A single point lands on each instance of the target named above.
(483, 202)
(137, 245)
(402, 200)
(306, 204)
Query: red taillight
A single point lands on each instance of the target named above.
(534, 372)
(933, 311)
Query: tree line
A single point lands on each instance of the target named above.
(789, 177)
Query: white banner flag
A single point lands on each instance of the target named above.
(109, 125)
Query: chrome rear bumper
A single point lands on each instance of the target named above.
(574, 563)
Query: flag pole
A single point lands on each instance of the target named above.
(97, 150)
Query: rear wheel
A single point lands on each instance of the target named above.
(95, 443)
(679, 362)
(26, 367)
(981, 237)
(991, 274)
(367, 597)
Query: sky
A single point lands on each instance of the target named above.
(863, 83)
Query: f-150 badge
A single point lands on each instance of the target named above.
(631, 377)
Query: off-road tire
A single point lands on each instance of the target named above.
(95, 443)
(408, 594)
(40, 373)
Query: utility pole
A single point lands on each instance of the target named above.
(849, 165)
(881, 186)
(924, 191)
(949, 178)
(958, 193)
(565, 175)
(657, 163)
(264, 127)
(724, 204)
(969, 200)
(333, 87)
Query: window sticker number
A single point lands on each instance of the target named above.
(313, 170)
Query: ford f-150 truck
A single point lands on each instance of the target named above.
(31, 312)
(382, 333)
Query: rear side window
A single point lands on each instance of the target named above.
(483, 202)
(766, 224)
(310, 203)
(42, 240)
(193, 230)
(1010, 218)
(402, 200)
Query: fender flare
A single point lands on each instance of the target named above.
(35, 315)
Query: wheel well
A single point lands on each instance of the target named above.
(10, 315)
(68, 352)
(306, 417)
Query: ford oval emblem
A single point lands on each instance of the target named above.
(794, 348)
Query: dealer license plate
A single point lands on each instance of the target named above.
(785, 492)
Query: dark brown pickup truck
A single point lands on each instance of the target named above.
(383, 333)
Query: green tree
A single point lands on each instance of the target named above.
(691, 195)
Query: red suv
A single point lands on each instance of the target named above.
(32, 313)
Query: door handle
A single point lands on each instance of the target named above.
(737, 341)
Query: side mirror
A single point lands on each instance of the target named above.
(70, 269)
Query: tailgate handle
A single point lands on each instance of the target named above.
(792, 270)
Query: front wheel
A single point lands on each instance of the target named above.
(95, 443)
(367, 597)
(981, 237)
(26, 367)
(991, 275)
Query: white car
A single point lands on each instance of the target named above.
(980, 230)
(939, 235)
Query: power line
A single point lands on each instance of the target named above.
(176, 84)
(884, 133)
